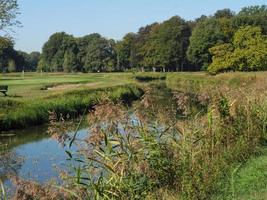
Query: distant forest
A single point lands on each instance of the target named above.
(225, 41)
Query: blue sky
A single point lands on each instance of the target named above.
(111, 18)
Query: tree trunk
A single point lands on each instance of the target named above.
(142, 69)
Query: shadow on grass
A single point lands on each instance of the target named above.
(11, 96)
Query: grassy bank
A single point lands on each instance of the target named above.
(242, 96)
(150, 76)
(36, 86)
(36, 112)
(248, 180)
(32, 96)
(201, 81)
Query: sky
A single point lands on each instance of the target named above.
(111, 18)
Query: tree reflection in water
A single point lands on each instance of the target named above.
(10, 162)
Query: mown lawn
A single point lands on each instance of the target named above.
(248, 180)
(251, 180)
(30, 98)
(33, 85)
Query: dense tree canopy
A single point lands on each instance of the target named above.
(6, 53)
(100, 55)
(212, 33)
(125, 50)
(12, 60)
(92, 53)
(209, 32)
(156, 46)
(247, 52)
(54, 51)
(167, 44)
(253, 16)
(223, 41)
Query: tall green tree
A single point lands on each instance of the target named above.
(22, 61)
(208, 33)
(247, 52)
(253, 16)
(83, 44)
(140, 41)
(100, 56)
(222, 58)
(9, 10)
(70, 62)
(125, 52)
(250, 49)
(167, 45)
(55, 48)
(27, 62)
(6, 53)
(34, 58)
(224, 13)
(42, 65)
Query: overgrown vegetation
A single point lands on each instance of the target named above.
(247, 52)
(172, 150)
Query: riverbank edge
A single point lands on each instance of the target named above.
(72, 103)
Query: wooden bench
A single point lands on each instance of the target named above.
(3, 89)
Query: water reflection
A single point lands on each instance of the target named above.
(32, 154)
(10, 164)
(11, 161)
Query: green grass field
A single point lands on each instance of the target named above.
(251, 179)
(33, 85)
(30, 98)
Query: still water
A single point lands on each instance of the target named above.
(33, 154)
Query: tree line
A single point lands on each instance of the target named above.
(16, 61)
(10, 59)
(221, 42)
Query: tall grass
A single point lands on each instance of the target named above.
(197, 82)
(191, 158)
(2, 191)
